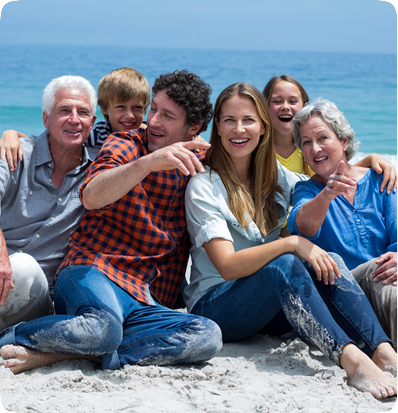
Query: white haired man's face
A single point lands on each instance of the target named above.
(69, 123)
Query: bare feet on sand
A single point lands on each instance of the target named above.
(365, 375)
(19, 358)
(385, 357)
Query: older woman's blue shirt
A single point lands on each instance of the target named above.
(358, 232)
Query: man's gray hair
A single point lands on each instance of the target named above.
(68, 82)
(329, 112)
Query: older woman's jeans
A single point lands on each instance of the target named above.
(285, 295)
(96, 317)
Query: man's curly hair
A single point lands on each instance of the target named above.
(190, 92)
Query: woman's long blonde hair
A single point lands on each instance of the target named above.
(260, 205)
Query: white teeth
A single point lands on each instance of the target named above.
(239, 140)
(320, 159)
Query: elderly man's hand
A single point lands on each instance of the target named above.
(5, 276)
(387, 271)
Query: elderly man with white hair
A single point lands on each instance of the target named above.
(39, 200)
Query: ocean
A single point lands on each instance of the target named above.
(364, 86)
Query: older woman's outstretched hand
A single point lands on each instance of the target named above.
(323, 264)
(338, 184)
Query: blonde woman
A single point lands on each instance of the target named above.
(249, 281)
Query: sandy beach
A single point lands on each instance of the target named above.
(264, 374)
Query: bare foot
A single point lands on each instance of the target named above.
(385, 357)
(19, 358)
(364, 374)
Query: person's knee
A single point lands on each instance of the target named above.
(95, 332)
(26, 271)
(104, 332)
(30, 297)
(206, 338)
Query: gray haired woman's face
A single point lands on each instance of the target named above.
(322, 149)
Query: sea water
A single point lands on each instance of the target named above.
(364, 86)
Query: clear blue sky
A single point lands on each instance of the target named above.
(302, 25)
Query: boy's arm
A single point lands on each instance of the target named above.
(11, 148)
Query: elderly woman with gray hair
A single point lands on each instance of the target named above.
(341, 208)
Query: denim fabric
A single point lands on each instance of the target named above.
(286, 295)
(96, 317)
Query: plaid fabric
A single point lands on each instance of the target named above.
(141, 239)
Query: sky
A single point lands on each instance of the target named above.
(365, 26)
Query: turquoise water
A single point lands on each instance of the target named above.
(364, 86)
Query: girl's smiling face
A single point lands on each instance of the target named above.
(285, 102)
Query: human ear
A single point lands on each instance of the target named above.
(194, 130)
(45, 117)
(345, 143)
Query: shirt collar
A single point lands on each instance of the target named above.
(44, 155)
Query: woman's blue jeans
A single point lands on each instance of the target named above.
(285, 295)
(96, 317)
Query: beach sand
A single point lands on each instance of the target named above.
(263, 374)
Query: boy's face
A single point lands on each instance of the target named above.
(124, 116)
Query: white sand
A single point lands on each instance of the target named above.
(264, 374)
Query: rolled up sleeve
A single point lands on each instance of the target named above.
(205, 219)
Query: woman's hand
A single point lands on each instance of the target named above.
(387, 271)
(338, 184)
(11, 148)
(323, 264)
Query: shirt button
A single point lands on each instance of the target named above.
(37, 235)
(20, 251)
(358, 220)
(30, 192)
(60, 199)
(49, 165)
(361, 230)
(49, 179)
(354, 210)
(52, 218)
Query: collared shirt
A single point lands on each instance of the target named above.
(208, 217)
(358, 232)
(36, 217)
(140, 241)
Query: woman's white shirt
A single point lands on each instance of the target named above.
(208, 216)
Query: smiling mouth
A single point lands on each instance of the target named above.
(73, 132)
(157, 135)
(285, 118)
(321, 159)
(128, 125)
(239, 141)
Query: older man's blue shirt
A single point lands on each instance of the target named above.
(35, 216)
(358, 232)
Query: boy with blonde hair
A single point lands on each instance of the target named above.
(123, 97)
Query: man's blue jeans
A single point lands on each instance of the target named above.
(97, 317)
(285, 295)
